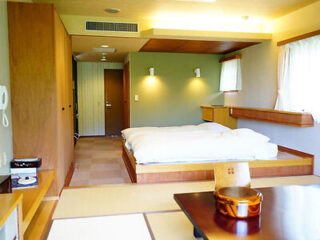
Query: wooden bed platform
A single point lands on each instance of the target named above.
(289, 163)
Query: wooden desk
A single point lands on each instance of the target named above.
(288, 212)
(32, 197)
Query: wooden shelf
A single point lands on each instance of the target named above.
(32, 197)
(39, 226)
(295, 119)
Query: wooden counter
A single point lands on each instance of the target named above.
(8, 202)
(32, 197)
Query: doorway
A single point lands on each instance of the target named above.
(113, 92)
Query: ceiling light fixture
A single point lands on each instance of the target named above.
(104, 45)
(112, 10)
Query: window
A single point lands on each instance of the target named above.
(230, 79)
(299, 77)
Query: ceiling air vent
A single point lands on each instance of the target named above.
(112, 26)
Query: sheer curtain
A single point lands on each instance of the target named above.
(299, 77)
(230, 79)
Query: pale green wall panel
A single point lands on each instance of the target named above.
(173, 96)
(91, 96)
(5, 133)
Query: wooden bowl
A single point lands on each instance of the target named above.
(238, 202)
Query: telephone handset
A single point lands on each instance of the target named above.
(4, 104)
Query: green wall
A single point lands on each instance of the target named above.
(5, 133)
(173, 96)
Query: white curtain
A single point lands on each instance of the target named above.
(230, 79)
(299, 77)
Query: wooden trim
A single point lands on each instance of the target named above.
(279, 117)
(20, 220)
(231, 91)
(300, 37)
(295, 152)
(149, 226)
(205, 175)
(130, 165)
(41, 222)
(299, 164)
(92, 136)
(69, 176)
(230, 58)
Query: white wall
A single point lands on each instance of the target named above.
(5, 133)
(259, 69)
(91, 96)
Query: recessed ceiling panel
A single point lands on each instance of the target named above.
(193, 46)
(82, 46)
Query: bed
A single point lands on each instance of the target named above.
(188, 153)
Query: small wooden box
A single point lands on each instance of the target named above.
(238, 202)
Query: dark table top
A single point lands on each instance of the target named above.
(288, 212)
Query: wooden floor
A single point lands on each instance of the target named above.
(98, 161)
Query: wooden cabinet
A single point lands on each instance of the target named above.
(41, 88)
(219, 115)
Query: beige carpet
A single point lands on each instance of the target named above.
(98, 161)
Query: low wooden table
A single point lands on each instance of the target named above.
(288, 212)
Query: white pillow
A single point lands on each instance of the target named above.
(216, 127)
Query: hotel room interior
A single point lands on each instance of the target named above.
(160, 119)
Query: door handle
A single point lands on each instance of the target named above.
(108, 105)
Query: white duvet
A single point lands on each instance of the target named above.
(193, 143)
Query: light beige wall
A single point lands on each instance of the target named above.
(296, 23)
(91, 96)
(259, 69)
(5, 133)
(259, 62)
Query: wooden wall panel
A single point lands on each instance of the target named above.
(33, 88)
(91, 97)
(193, 46)
(63, 63)
(41, 83)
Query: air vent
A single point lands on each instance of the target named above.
(112, 26)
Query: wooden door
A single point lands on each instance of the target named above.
(126, 95)
(113, 82)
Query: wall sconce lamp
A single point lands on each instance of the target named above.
(151, 71)
(197, 72)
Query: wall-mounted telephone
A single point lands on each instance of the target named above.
(4, 99)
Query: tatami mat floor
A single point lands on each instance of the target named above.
(98, 161)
